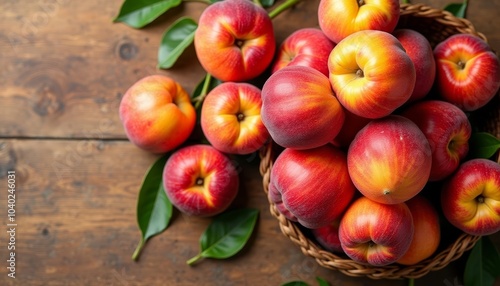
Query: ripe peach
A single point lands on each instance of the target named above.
(157, 114)
(299, 108)
(375, 233)
(235, 40)
(470, 197)
(390, 160)
(420, 51)
(230, 118)
(328, 236)
(306, 47)
(371, 74)
(311, 186)
(199, 180)
(341, 18)
(427, 233)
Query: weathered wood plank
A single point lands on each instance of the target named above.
(65, 65)
(76, 225)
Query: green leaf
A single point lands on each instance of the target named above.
(491, 257)
(282, 7)
(175, 40)
(483, 264)
(154, 209)
(457, 9)
(227, 234)
(483, 145)
(139, 13)
(295, 283)
(322, 282)
(267, 3)
(213, 82)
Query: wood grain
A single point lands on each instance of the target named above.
(76, 225)
(69, 67)
(65, 66)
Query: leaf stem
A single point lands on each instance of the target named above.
(405, 1)
(411, 282)
(138, 249)
(194, 259)
(200, 1)
(199, 99)
(257, 3)
(282, 7)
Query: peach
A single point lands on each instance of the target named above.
(305, 47)
(427, 233)
(420, 51)
(470, 198)
(328, 236)
(312, 186)
(390, 160)
(200, 181)
(341, 18)
(467, 71)
(235, 40)
(230, 118)
(157, 114)
(374, 233)
(299, 108)
(371, 74)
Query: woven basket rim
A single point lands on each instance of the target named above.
(444, 17)
(329, 260)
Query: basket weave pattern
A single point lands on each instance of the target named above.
(436, 25)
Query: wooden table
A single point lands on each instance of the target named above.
(64, 67)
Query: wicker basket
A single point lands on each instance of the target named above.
(436, 25)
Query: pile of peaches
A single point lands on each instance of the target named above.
(367, 116)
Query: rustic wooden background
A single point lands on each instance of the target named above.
(63, 69)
